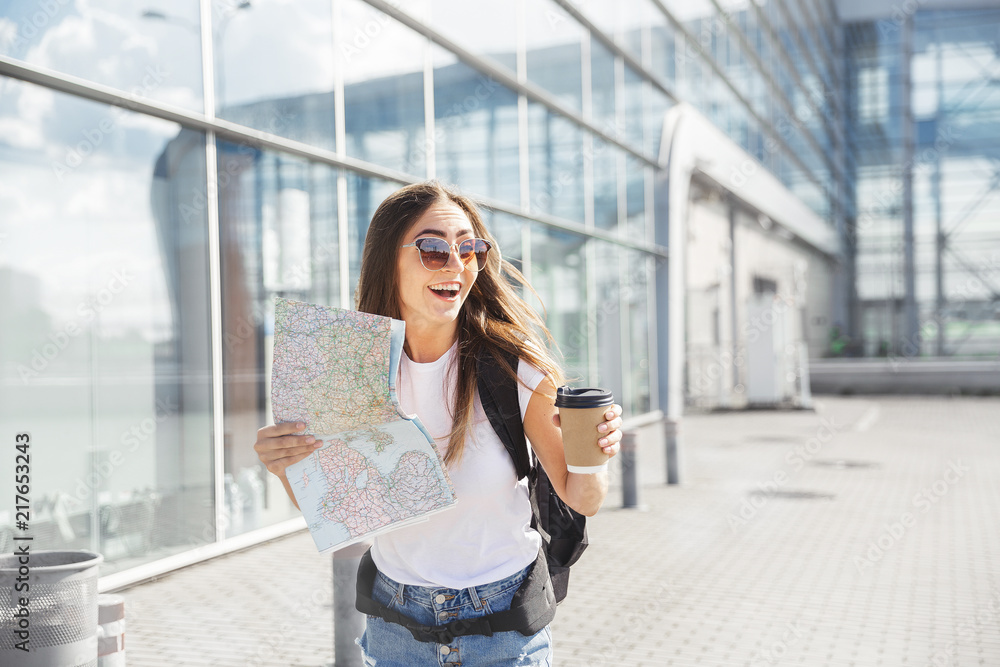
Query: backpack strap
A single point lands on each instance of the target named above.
(498, 394)
(563, 530)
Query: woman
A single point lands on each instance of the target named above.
(429, 261)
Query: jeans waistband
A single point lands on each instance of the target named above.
(441, 597)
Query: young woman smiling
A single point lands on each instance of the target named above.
(430, 261)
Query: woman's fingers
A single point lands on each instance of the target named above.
(286, 461)
(609, 428)
(613, 419)
(275, 430)
(610, 440)
(280, 445)
(293, 447)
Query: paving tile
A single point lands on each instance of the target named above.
(718, 571)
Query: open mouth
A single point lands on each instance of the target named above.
(447, 291)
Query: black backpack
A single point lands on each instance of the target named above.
(563, 530)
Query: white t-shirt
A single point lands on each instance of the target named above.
(487, 536)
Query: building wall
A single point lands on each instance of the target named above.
(792, 280)
(245, 159)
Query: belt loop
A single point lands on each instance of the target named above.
(399, 593)
(477, 604)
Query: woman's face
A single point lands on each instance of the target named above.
(419, 301)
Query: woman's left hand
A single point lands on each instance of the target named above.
(610, 435)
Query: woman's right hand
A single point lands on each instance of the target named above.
(281, 445)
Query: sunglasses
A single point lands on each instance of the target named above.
(435, 253)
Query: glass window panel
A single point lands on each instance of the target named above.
(558, 274)
(663, 50)
(611, 347)
(689, 11)
(554, 58)
(383, 68)
(654, 116)
(635, 209)
(278, 218)
(637, 278)
(555, 154)
(508, 230)
(363, 197)
(274, 68)
(635, 15)
(151, 49)
(607, 159)
(475, 132)
(491, 33)
(602, 86)
(105, 348)
(632, 99)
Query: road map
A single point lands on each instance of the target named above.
(335, 370)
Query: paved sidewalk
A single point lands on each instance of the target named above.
(865, 533)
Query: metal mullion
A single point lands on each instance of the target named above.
(214, 273)
(616, 49)
(504, 76)
(828, 14)
(802, 46)
(587, 107)
(832, 127)
(526, 269)
(430, 142)
(816, 70)
(523, 155)
(651, 331)
(833, 62)
(625, 334)
(570, 226)
(764, 72)
(340, 139)
(258, 139)
(817, 19)
(223, 128)
(782, 54)
(621, 159)
(521, 63)
(590, 296)
(708, 60)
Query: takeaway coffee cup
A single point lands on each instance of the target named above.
(581, 411)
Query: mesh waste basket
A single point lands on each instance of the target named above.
(60, 621)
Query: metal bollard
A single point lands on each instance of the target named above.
(671, 428)
(110, 631)
(348, 622)
(629, 462)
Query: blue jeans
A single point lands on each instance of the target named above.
(386, 644)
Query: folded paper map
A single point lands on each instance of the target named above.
(335, 370)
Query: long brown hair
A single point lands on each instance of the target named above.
(494, 317)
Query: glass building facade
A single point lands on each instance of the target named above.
(925, 110)
(168, 168)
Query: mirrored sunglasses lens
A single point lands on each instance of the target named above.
(482, 249)
(474, 248)
(466, 252)
(433, 253)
